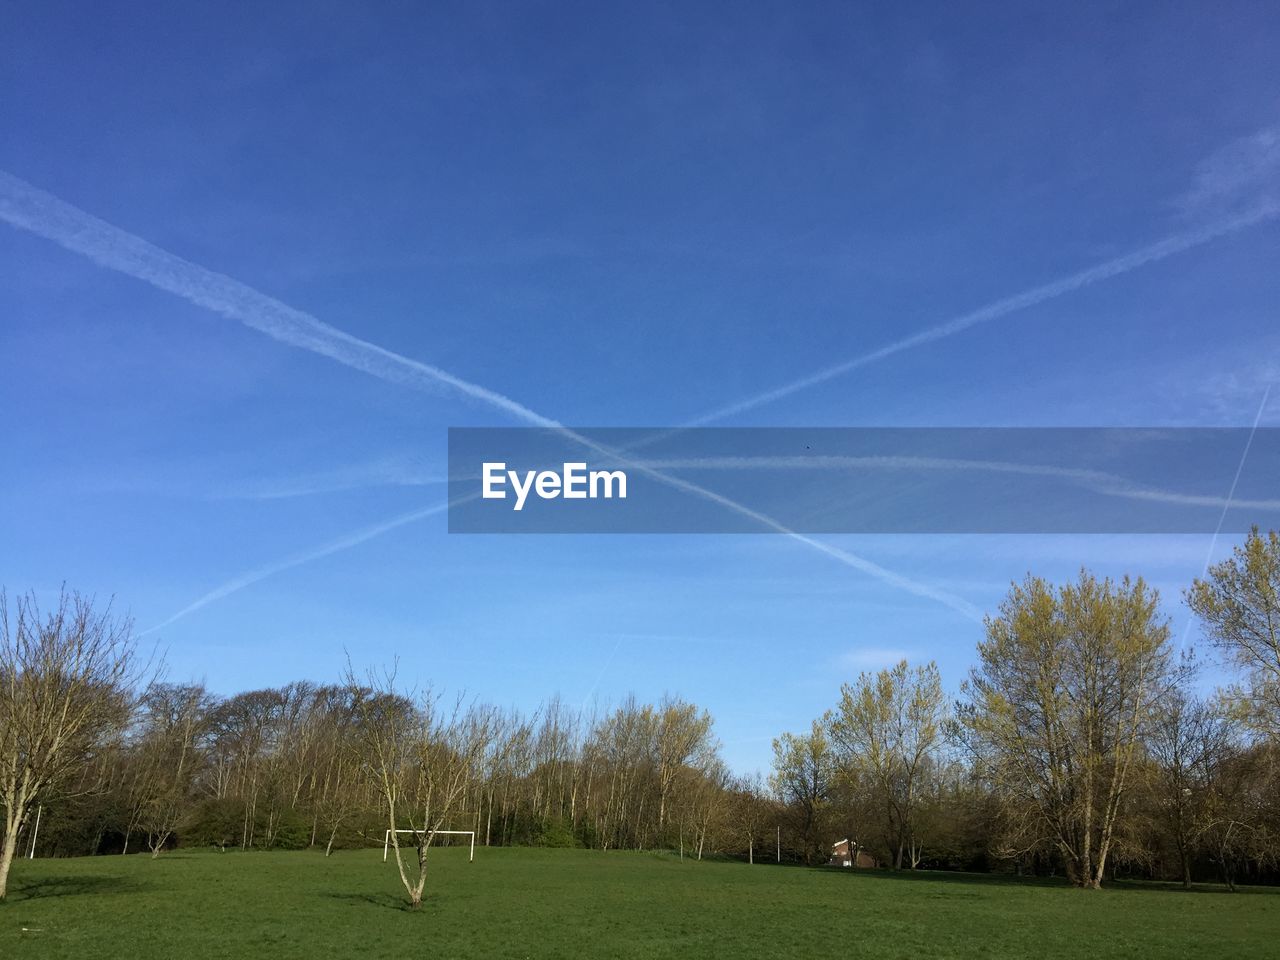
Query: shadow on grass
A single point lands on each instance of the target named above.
(50, 887)
(952, 877)
(387, 901)
(1057, 882)
(1197, 889)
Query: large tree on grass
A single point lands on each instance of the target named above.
(1057, 707)
(66, 678)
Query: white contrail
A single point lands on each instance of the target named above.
(344, 542)
(29, 208)
(961, 606)
(360, 477)
(1230, 502)
(1108, 484)
(1235, 481)
(600, 676)
(1000, 308)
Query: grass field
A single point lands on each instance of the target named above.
(573, 903)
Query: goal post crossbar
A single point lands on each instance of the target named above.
(386, 841)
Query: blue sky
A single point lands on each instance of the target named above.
(614, 217)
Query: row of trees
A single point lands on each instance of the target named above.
(118, 763)
(1077, 744)
(1078, 741)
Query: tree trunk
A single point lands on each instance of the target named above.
(6, 858)
(1073, 870)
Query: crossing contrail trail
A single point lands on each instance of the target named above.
(345, 542)
(1108, 484)
(29, 208)
(1000, 308)
(1229, 503)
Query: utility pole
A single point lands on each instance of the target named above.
(779, 843)
(35, 830)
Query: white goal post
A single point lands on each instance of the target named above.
(386, 841)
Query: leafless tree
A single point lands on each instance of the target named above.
(1194, 751)
(176, 717)
(751, 812)
(66, 679)
(421, 756)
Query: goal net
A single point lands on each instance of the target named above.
(386, 842)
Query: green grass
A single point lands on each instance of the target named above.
(575, 903)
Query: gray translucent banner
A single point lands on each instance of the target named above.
(863, 480)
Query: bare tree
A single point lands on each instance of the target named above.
(335, 762)
(750, 811)
(705, 804)
(1193, 748)
(421, 758)
(65, 683)
(175, 719)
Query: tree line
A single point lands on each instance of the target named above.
(1078, 744)
(113, 762)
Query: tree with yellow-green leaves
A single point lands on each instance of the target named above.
(1238, 603)
(888, 728)
(804, 776)
(1057, 708)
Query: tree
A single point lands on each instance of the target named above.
(161, 760)
(750, 811)
(804, 774)
(65, 684)
(1195, 756)
(705, 803)
(1241, 823)
(1058, 705)
(176, 716)
(333, 764)
(1239, 605)
(887, 728)
(683, 736)
(421, 759)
